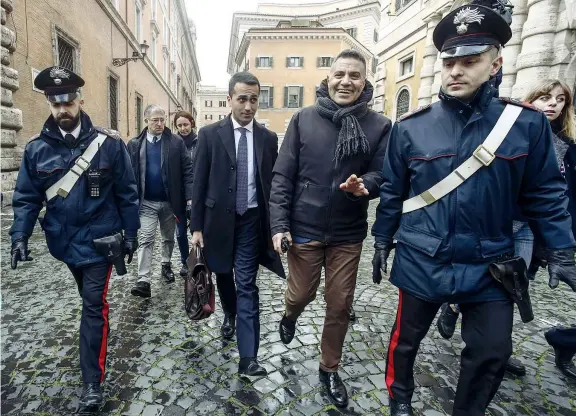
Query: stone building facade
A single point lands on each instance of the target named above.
(212, 105)
(86, 36)
(543, 45)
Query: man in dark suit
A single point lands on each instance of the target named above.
(232, 180)
(163, 170)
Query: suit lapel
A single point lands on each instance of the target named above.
(165, 143)
(258, 145)
(142, 151)
(226, 134)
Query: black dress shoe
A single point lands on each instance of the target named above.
(400, 409)
(515, 366)
(336, 388)
(167, 273)
(564, 362)
(228, 328)
(447, 321)
(141, 289)
(287, 330)
(184, 271)
(250, 367)
(91, 399)
(352, 315)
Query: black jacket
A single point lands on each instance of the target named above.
(191, 142)
(306, 199)
(214, 196)
(176, 169)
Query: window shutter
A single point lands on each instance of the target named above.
(287, 61)
(318, 62)
(256, 62)
(285, 97)
(271, 97)
(302, 61)
(301, 97)
(271, 61)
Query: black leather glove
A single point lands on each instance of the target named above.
(19, 251)
(538, 260)
(561, 267)
(130, 247)
(380, 261)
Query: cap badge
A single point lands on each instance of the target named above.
(465, 17)
(57, 73)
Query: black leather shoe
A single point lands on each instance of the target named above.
(250, 367)
(167, 273)
(228, 328)
(447, 321)
(564, 362)
(400, 409)
(336, 388)
(352, 315)
(184, 271)
(91, 399)
(515, 366)
(287, 330)
(141, 289)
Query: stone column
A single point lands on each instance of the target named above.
(533, 63)
(11, 117)
(512, 50)
(435, 89)
(430, 57)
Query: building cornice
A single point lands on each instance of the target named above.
(122, 26)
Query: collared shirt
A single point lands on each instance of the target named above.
(75, 132)
(252, 198)
(150, 136)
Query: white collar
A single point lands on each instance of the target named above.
(75, 132)
(150, 137)
(236, 125)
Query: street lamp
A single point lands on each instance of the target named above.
(135, 56)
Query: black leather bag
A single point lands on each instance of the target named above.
(199, 295)
(512, 274)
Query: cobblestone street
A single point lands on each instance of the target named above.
(161, 363)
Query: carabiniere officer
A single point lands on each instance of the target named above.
(101, 201)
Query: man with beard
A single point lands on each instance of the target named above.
(101, 201)
(327, 171)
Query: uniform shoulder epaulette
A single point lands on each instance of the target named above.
(34, 137)
(114, 134)
(416, 111)
(519, 103)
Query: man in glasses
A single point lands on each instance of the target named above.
(163, 169)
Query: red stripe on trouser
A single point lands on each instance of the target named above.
(104, 345)
(392, 347)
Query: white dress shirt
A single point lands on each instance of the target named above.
(150, 137)
(252, 198)
(75, 132)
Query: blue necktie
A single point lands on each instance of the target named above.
(242, 173)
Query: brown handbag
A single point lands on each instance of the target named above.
(199, 296)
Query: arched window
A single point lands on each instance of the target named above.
(402, 103)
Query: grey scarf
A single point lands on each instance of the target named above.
(351, 138)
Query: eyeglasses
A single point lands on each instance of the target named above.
(157, 120)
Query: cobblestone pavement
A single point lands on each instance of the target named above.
(160, 363)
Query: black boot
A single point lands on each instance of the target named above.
(250, 367)
(564, 362)
(228, 328)
(287, 330)
(141, 289)
(167, 273)
(515, 366)
(336, 388)
(91, 399)
(184, 271)
(447, 321)
(352, 315)
(400, 409)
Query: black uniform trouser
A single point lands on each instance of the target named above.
(92, 281)
(487, 332)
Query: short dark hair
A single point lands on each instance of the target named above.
(184, 114)
(242, 78)
(353, 54)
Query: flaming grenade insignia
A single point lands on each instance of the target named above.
(466, 16)
(57, 74)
